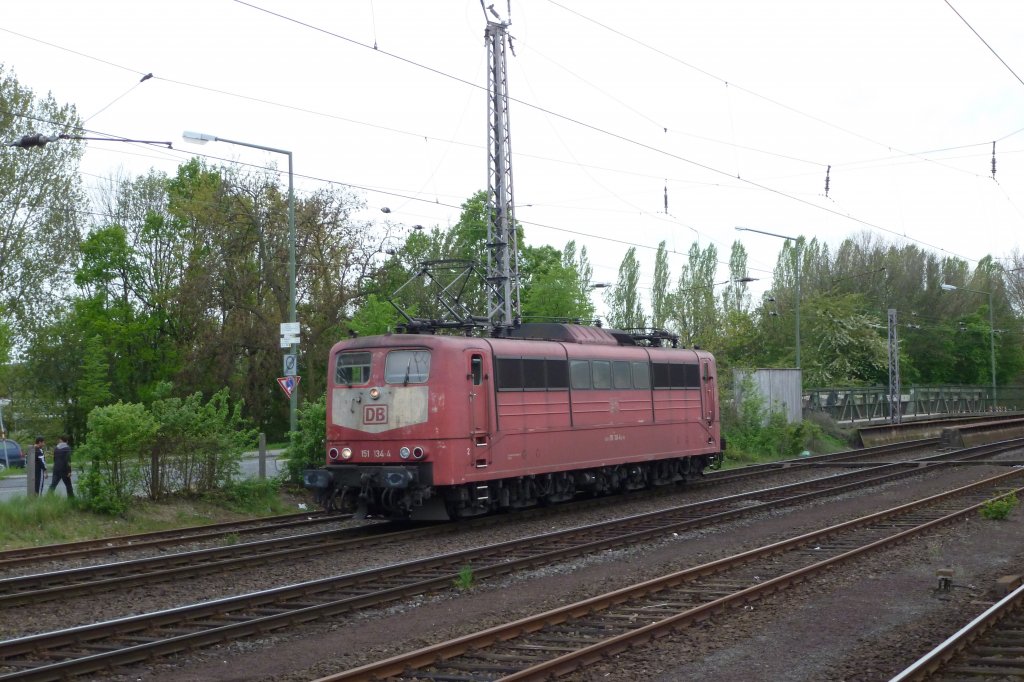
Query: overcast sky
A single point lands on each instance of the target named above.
(738, 106)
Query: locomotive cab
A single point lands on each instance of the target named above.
(397, 407)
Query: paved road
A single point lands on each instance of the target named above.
(16, 484)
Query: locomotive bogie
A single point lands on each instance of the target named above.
(435, 427)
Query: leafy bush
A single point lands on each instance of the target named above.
(199, 445)
(116, 452)
(176, 446)
(999, 508)
(307, 449)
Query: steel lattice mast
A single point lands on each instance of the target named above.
(503, 253)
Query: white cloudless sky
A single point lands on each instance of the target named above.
(736, 106)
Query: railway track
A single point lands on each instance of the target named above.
(111, 545)
(568, 639)
(989, 647)
(40, 587)
(90, 648)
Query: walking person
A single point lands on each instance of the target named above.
(40, 463)
(62, 466)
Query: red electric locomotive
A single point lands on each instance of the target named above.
(432, 427)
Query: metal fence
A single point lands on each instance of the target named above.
(871, 404)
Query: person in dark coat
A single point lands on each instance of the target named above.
(40, 463)
(62, 466)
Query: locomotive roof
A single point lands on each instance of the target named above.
(568, 333)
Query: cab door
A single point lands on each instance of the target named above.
(479, 392)
(709, 392)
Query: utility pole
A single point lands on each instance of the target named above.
(503, 253)
(895, 400)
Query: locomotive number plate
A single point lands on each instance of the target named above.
(375, 414)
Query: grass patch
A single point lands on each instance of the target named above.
(251, 497)
(53, 519)
(465, 579)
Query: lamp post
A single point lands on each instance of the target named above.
(991, 333)
(202, 138)
(797, 243)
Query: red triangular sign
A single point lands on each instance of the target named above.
(288, 384)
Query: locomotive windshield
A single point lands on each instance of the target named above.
(352, 368)
(407, 367)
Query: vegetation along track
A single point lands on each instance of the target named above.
(86, 649)
(568, 639)
(39, 587)
(989, 647)
(164, 538)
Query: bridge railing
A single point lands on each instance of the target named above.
(871, 403)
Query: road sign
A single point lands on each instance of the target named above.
(290, 332)
(291, 365)
(288, 384)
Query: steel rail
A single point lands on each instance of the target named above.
(233, 617)
(26, 555)
(567, 639)
(40, 587)
(985, 658)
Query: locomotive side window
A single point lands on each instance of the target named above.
(602, 370)
(669, 375)
(352, 369)
(684, 376)
(558, 374)
(641, 374)
(533, 374)
(579, 372)
(661, 375)
(476, 369)
(621, 375)
(407, 367)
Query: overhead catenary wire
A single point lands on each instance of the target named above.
(901, 235)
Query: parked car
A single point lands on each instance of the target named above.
(11, 454)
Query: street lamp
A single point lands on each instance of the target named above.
(991, 333)
(202, 138)
(797, 243)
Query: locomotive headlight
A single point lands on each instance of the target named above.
(417, 452)
(375, 393)
(404, 452)
(346, 453)
(333, 453)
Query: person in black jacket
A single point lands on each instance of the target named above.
(62, 466)
(40, 463)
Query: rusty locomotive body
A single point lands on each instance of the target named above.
(436, 427)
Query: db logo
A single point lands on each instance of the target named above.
(375, 414)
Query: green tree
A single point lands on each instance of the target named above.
(625, 309)
(695, 313)
(661, 295)
(552, 286)
(41, 211)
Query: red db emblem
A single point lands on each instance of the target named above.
(375, 414)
